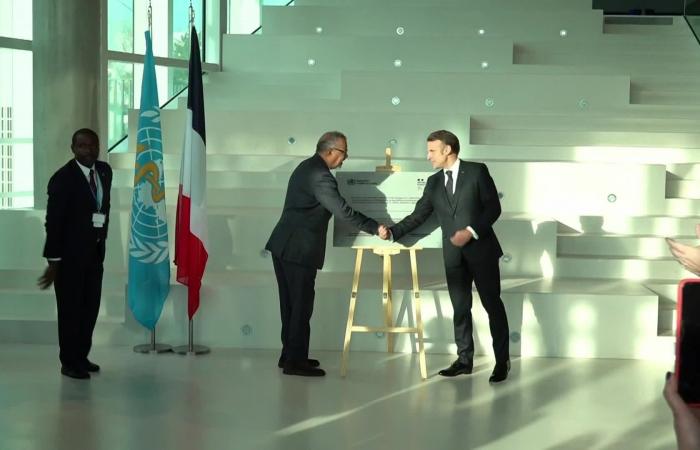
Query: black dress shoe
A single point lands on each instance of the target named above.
(457, 368)
(90, 366)
(500, 372)
(302, 369)
(311, 362)
(74, 372)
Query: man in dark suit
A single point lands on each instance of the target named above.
(298, 245)
(464, 198)
(76, 228)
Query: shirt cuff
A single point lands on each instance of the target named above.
(476, 236)
(53, 259)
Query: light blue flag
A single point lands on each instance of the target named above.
(149, 262)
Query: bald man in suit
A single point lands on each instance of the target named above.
(298, 246)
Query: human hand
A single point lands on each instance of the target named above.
(461, 238)
(384, 232)
(686, 420)
(48, 277)
(687, 255)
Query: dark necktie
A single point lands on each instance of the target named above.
(93, 184)
(449, 187)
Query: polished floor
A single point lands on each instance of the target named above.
(239, 399)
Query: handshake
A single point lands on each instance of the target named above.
(383, 232)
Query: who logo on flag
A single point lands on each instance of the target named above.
(149, 262)
(148, 242)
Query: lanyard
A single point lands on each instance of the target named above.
(98, 194)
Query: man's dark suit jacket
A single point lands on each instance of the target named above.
(70, 234)
(476, 204)
(312, 197)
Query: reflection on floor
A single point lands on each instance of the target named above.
(239, 399)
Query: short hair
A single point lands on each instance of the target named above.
(84, 131)
(328, 140)
(447, 138)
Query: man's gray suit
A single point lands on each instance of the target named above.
(298, 247)
(476, 204)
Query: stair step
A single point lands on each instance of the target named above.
(615, 246)
(620, 268)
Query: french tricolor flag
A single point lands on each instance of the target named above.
(191, 225)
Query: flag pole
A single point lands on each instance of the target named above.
(191, 348)
(153, 348)
(143, 305)
(192, 293)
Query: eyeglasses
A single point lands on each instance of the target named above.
(341, 150)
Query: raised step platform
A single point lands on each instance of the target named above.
(682, 207)
(615, 245)
(649, 139)
(553, 189)
(611, 268)
(474, 5)
(569, 319)
(273, 53)
(631, 225)
(383, 20)
(295, 134)
(465, 92)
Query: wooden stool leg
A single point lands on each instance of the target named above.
(351, 313)
(419, 317)
(386, 302)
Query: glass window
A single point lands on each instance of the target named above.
(128, 21)
(120, 85)
(16, 19)
(159, 27)
(120, 25)
(16, 175)
(244, 15)
(125, 94)
(16, 129)
(177, 80)
(180, 37)
(169, 25)
(213, 30)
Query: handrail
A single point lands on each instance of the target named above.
(685, 16)
(163, 106)
(113, 146)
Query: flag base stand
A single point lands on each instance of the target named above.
(190, 348)
(153, 348)
(148, 348)
(194, 350)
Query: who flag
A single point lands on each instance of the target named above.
(149, 262)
